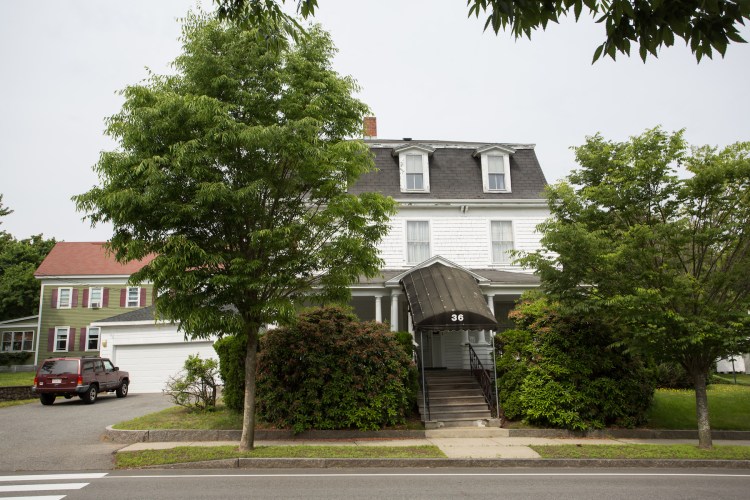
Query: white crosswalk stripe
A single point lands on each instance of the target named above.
(29, 483)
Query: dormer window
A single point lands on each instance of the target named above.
(495, 161)
(414, 167)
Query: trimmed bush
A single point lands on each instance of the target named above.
(331, 371)
(558, 370)
(231, 351)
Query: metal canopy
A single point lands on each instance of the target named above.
(445, 298)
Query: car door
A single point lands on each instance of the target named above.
(112, 375)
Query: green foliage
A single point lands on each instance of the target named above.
(232, 172)
(664, 257)
(13, 358)
(195, 388)
(331, 371)
(19, 290)
(556, 369)
(651, 24)
(231, 351)
(672, 376)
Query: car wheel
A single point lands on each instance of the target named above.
(122, 391)
(68, 396)
(47, 399)
(90, 396)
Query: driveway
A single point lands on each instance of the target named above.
(67, 435)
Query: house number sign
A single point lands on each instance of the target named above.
(457, 317)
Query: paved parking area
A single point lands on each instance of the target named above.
(67, 435)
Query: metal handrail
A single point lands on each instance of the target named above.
(483, 377)
(420, 366)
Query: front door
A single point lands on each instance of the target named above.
(432, 349)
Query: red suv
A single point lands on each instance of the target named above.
(84, 377)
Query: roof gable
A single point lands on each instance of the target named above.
(85, 259)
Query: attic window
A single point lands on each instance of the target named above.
(414, 167)
(495, 161)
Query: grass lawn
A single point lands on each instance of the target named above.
(742, 378)
(8, 379)
(643, 451)
(183, 454)
(728, 407)
(5, 404)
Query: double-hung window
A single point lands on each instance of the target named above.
(417, 241)
(64, 298)
(496, 173)
(92, 338)
(502, 241)
(17, 341)
(133, 297)
(61, 338)
(96, 295)
(414, 173)
(495, 163)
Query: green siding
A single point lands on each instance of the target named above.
(79, 317)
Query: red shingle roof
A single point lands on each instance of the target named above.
(85, 259)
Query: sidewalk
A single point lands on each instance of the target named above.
(455, 443)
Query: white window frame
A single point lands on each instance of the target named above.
(506, 261)
(406, 240)
(495, 151)
(59, 329)
(60, 304)
(100, 303)
(128, 302)
(414, 151)
(89, 338)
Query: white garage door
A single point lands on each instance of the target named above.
(151, 365)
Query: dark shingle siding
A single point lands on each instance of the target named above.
(454, 174)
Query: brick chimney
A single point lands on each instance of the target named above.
(370, 127)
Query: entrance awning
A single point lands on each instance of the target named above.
(445, 298)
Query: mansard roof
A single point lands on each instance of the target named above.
(455, 171)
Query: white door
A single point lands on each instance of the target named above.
(151, 365)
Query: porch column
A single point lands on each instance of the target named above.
(491, 302)
(378, 309)
(394, 310)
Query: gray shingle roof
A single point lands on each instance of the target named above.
(454, 173)
(142, 314)
(494, 275)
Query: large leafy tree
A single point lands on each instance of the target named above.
(649, 24)
(233, 172)
(19, 290)
(665, 258)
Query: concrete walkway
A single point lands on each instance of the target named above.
(455, 443)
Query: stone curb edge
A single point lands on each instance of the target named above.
(165, 435)
(341, 463)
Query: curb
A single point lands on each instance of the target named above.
(343, 463)
(163, 435)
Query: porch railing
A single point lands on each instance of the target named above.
(483, 377)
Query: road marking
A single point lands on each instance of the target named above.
(43, 497)
(442, 474)
(52, 477)
(43, 487)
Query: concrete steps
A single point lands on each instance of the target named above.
(456, 400)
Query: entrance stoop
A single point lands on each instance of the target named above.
(456, 400)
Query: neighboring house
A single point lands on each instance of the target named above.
(18, 338)
(82, 283)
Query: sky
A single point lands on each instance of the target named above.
(424, 68)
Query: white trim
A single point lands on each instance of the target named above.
(70, 298)
(485, 203)
(12, 334)
(425, 170)
(509, 262)
(429, 262)
(39, 326)
(67, 339)
(485, 163)
(101, 297)
(406, 239)
(98, 341)
(436, 144)
(103, 324)
(19, 319)
(127, 297)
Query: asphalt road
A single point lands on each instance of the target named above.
(67, 435)
(394, 483)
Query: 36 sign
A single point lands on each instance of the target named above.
(457, 317)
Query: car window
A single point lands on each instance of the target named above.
(59, 366)
(108, 365)
(88, 367)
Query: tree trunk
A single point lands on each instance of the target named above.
(247, 441)
(701, 409)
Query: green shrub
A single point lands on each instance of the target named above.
(331, 371)
(232, 351)
(672, 376)
(559, 370)
(195, 387)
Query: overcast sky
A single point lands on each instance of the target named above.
(426, 71)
